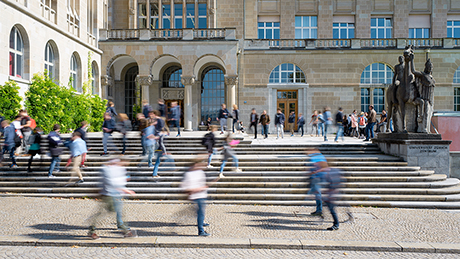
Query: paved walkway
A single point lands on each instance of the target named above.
(56, 222)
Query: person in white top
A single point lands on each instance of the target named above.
(194, 184)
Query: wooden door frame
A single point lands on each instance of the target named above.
(287, 102)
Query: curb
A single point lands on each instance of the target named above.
(236, 243)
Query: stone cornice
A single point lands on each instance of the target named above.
(231, 80)
(145, 80)
(187, 80)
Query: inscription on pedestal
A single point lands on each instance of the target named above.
(428, 149)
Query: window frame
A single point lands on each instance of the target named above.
(453, 28)
(303, 27)
(424, 31)
(277, 74)
(74, 73)
(49, 60)
(274, 27)
(340, 26)
(385, 27)
(17, 52)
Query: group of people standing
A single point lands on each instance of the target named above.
(280, 118)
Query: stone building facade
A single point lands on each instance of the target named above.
(60, 37)
(300, 55)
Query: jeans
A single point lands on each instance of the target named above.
(10, 149)
(176, 123)
(233, 125)
(124, 144)
(265, 130)
(301, 129)
(279, 129)
(105, 140)
(326, 127)
(201, 204)
(255, 129)
(316, 190)
(235, 161)
(55, 162)
(209, 158)
(25, 141)
(150, 155)
(320, 129)
(144, 151)
(223, 124)
(169, 160)
(331, 207)
(339, 132)
(314, 129)
(370, 130)
(109, 204)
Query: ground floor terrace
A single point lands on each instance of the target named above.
(201, 75)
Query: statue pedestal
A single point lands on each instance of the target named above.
(428, 151)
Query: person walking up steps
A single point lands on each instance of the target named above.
(9, 146)
(228, 152)
(113, 186)
(55, 146)
(111, 110)
(279, 124)
(339, 123)
(161, 152)
(291, 123)
(35, 147)
(77, 148)
(236, 118)
(175, 116)
(209, 141)
(107, 128)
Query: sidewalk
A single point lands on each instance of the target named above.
(63, 222)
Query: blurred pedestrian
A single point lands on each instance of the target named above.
(55, 146)
(9, 145)
(146, 108)
(265, 121)
(123, 126)
(321, 122)
(291, 123)
(26, 130)
(254, 120)
(222, 118)
(77, 149)
(314, 123)
(279, 123)
(209, 141)
(160, 152)
(300, 123)
(162, 109)
(339, 123)
(111, 109)
(114, 180)
(229, 152)
(35, 147)
(107, 128)
(316, 174)
(236, 118)
(175, 116)
(142, 121)
(327, 121)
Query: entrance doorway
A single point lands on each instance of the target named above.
(132, 91)
(287, 102)
(168, 112)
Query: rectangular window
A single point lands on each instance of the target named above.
(306, 27)
(202, 20)
(154, 16)
(73, 18)
(379, 99)
(190, 16)
(381, 28)
(142, 16)
(343, 30)
(419, 33)
(178, 16)
(456, 99)
(269, 30)
(453, 29)
(166, 16)
(365, 99)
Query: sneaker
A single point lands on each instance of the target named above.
(238, 170)
(155, 176)
(316, 213)
(14, 166)
(94, 236)
(83, 166)
(221, 175)
(105, 154)
(209, 166)
(130, 234)
(204, 234)
(79, 181)
(205, 224)
(51, 176)
(178, 135)
(334, 227)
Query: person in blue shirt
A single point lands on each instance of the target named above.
(301, 123)
(107, 128)
(55, 146)
(9, 146)
(222, 118)
(175, 116)
(77, 149)
(327, 121)
(149, 142)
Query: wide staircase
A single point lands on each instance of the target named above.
(272, 175)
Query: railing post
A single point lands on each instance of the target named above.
(144, 34)
(230, 34)
(103, 34)
(187, 34)
(448, 43)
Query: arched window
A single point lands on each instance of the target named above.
(16, 53)
(212, 92)
(457, 90)
(287, 73)
(74, 73)
(172, 77)
(49, 59)
(132, 92)
(374, 79)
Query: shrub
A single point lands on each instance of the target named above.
(10, 101)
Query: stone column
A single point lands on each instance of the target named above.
(188, 82)
(106, 82)
(230, 84)
(144, 83)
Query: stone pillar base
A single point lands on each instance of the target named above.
(428, 151)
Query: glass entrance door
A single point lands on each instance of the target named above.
(287, 102)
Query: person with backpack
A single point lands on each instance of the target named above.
(320, 124)
(9, 145)
(111, 109)
(328, 121)
(107, 128)
(162, 109)
(354, 124)
(146, 108)
(300, 123)
(209, 141)
(26, 130)
(362, 122)
(291, 123)
(55, 146)
(279, 123)
(160, 152)
(123, 126)
(236, 118)
(314, 123)
(339, 123)
(35, 147)
(228, 152)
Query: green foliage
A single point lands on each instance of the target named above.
(136, 109)
(49, 104)
(98, 107)
(10, 101)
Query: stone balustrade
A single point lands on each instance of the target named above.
(167, 34)
(400, 43)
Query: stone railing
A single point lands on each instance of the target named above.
(350, 43)
(167, 34)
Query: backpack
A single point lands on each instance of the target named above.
(17, 139)
(321, 118)
(33, 124)
(206, 139)
(362, 121)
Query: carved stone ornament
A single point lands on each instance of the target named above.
(145, 80)
(231, 80)
(132, 11)
(106, 80)
(188, 80)
(212, 11)
(172, 94)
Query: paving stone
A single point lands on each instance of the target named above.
(351, 245)
(446, 248)
(203, 242)
(275, 243)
